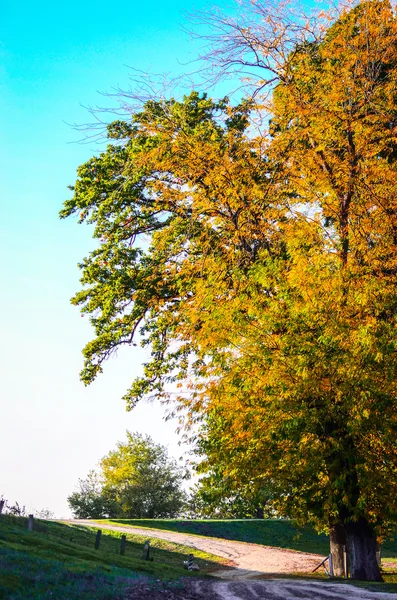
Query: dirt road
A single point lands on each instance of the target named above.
(249, 561)
(270, 589)
(284, 589)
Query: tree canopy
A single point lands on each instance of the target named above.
(260, 267)
(137, 480)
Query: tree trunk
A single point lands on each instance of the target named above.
(361, 546)
(337, 541)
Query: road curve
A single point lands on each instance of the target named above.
(249, 560)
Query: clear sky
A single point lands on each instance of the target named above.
(54, 58)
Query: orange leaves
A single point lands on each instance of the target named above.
(266, 283)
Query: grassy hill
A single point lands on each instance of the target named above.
(59, 561)
(268, 532)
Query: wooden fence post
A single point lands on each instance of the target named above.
(30, 523)
(2, 502)
(98, 539)
(146, 551)
(331, 566)
(122, 546)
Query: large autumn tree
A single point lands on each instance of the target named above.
(265, 281)
(334, 128)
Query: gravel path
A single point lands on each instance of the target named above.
(284, 589)
(250, 561)
(270, 589)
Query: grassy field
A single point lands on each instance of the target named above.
(269, 532)
(59, 561)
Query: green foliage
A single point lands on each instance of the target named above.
(216, 497)
(91, 501)
(170, 180)
(136, 480)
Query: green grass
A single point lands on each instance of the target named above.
(268, 532)
(59, 561)
(389, 584)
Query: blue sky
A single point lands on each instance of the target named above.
(54, 58)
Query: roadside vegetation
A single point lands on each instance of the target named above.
(59, 561)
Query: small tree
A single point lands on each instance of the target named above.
(91, 501)
(137, 480)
